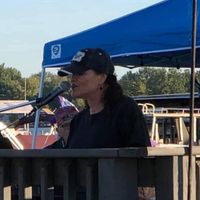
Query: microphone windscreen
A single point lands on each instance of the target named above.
(65, 85)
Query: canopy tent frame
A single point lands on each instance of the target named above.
(192, 98)
(141, 50)
(59, 52)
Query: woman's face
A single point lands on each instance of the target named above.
(87, 84)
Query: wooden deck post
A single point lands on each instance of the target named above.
(117, 179)
(172, 178)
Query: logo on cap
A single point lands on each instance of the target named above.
(78, 57)
(55, 51)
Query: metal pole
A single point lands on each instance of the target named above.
(38, 111)
(25, 88)
(18, 105)
(192, 84)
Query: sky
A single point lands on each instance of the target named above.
(26, 25)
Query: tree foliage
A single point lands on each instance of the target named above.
(32, 86)
(145, 81)
(150, 81)
(10, 83)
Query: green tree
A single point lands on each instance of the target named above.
(176, 82)
(144, 81)
(127, 82)
(149, 81)
(32, 86)
(11, 84)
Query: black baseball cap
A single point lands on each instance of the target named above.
(90, 58)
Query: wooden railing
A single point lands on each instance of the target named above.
(97, 174)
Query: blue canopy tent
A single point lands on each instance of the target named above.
(160, 35)
(165, 34)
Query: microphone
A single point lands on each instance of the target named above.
(60, 89)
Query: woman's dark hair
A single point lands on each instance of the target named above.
(113, 91)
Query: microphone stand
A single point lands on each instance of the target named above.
(18, 105)
(12, 138)
(37, 104)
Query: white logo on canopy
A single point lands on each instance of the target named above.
(55, 51)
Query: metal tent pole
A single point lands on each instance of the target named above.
(37, 115)
(192, 89)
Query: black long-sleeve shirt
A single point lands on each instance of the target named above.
(123, 127)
